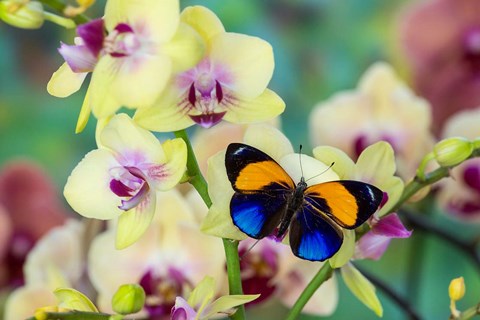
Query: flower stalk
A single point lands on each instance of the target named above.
(231, 247)
(60, 7)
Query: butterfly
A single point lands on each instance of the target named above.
(267, 201)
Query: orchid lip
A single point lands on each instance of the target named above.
(208, 120)
(136, 199)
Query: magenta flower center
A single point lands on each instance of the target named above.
(258, 267)
(122, 41)
(161, 291)
(471, 49)
(130, 184)
(206, 93)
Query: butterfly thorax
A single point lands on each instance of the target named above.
(295, 202)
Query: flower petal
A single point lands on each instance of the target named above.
(346, 250)
(204, 21)
(133, 223)
(84, 113)
(133, 81)
(134, 261)
(203, 293)
(391, 226)
(343, 165)
(361, 288)
(371, 246)
(218, 221)
(249, 60)
(169, 173)
(78, 57)
(57, 258)
(64, 82)
(225, 303)
(264, 107)
(182, 310)
(165, 115)
(158, 19)
(185, 49)
(124, 136)
(75, 300)
(23, 302)
(88, 187)
(268, 139)
(377, 161)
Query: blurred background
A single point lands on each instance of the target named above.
(320, 47)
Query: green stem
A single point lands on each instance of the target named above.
(60, 6)
(470, 313)
(430, 178)
(231, 247)
(74, 315)
(322, 275)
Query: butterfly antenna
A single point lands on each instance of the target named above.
(300, 160)
(249, 249)
(331, 165)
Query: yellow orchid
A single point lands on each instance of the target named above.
(121, 178)
(132, 61)
(229, 83)
(166, 261)
(381, 108)
(55, 261)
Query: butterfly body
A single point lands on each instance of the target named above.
(294, 204)
(268, 202)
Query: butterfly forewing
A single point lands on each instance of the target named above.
(251, 170)
(349, 203)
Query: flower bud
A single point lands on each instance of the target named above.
(22, 14)
(456, 289)
(128, 299)
(452, 151)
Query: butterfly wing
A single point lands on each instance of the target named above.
(349, 203)
(262, 190)
(313, 237)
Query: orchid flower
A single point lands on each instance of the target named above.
(131, 61)
(228, 83)
(55, 261)
(382, 108)
(121, 178)
(167, 261)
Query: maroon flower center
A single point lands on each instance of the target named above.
(162, 290)
(258, 267)
(471, 49)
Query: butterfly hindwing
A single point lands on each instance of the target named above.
(349, 203)
(262, 190)
(313, 237)
(251, 170)
(257, 214)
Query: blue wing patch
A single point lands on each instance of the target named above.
(313, 237)
(257, 214)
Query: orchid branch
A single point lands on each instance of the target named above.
(231, 247)
(468, 247)
(60, 7)
(322, 275)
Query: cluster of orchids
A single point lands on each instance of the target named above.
(157, 240)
